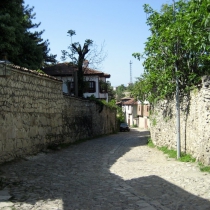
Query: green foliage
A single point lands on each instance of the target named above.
(22, 46)
(120, 114)
(180, 38)
(169, 152)
(150, 143)
(100, 103)
(130, 87)
(110, 91)
(153, 121)
(186, 158)
(204, 168)
(40, 71)
(112, 105)
(120, 92)
(173, 154)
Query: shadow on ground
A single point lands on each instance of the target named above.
(78, 177)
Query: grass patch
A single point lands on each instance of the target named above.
(204, 168)
(186, 158)
(171, 153)
(150, 143)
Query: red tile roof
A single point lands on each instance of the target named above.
(66, 69)
(119, 103)
(130, 102)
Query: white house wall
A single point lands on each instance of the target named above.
(95, 79)
(104, 95)
(97, 94)
(65, 79)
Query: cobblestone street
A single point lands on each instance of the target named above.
(116, 172)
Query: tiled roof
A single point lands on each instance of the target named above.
(130, 102)
(66, 69)
(119, 103)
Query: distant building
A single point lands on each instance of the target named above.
(135, 112)
(95, 79)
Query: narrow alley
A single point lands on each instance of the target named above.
(116, 172)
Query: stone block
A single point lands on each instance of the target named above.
(11, 132)
(42, 131)
(20, 134)
(9, 145)
(19, 143)
(33, 131)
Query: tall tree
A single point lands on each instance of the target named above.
(178, 36)
(78, 54)
(22, 46)
(11, 17)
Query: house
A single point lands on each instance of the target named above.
(129, 107)
(135, 112)
(96, 80)
(143, 114)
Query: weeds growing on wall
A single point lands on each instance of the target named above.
(100, 103)
(150, 143)
(152, 117)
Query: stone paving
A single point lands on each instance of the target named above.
(114, 172)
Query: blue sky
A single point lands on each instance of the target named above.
(121, 24)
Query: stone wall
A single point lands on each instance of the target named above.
(194, 123)
(34, 114)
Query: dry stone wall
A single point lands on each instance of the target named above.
(34, 114)
(194, 123)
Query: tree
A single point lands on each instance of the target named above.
(22, 46)
(177, 37)
(130, 87)
(138, 90)
(11, 17)
(111, 92)
(78, 54)
(120, 92)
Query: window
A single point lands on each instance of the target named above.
(91, 87)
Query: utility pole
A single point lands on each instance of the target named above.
(177, 96)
